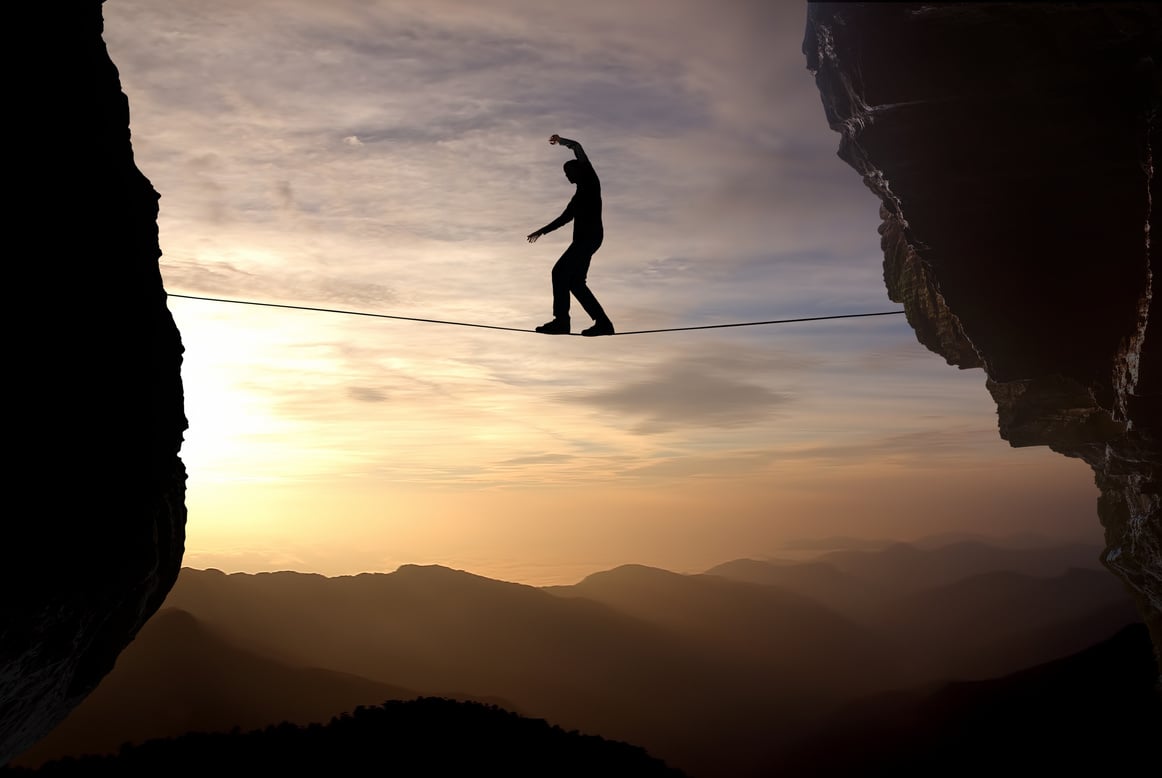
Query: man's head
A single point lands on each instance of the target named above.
(572, 169)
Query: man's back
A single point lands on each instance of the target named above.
(586, 204)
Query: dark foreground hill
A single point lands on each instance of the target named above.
(178, 676)
(426, 736)
(1098, 712)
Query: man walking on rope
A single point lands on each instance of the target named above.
(584, 210)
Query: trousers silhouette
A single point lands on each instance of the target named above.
(569, 275)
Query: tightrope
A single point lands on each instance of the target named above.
(518, 329)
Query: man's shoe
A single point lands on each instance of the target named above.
(555, 327)
(600, 328)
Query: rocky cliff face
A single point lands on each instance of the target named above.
(95, 516)
(1013, 148)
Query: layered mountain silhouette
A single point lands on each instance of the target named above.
(576, 662)
(712, 674)
(987, 624)
(852, 580)
(178, 677)
(785, 636)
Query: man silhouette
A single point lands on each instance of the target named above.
(584, 210)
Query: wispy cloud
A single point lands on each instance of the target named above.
(727, 388)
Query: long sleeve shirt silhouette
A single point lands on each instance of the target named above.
(584, 209)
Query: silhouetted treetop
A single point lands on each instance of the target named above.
(424, 736)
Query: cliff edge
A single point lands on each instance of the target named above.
(95, 526)
(1013, 150)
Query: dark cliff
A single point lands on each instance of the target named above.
(1013, 149)
(95, 525)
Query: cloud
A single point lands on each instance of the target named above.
(537, 459)
(919, 449)
(711, 391)
(732, 464)
(301, 283)
(367, 394)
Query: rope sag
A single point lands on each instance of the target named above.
(518, 329)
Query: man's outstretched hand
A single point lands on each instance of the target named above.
(534, 235)
(555, 139)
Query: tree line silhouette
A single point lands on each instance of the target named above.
(424, 736)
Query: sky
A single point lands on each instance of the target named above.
(390, 156)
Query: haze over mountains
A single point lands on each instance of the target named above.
(717, 673)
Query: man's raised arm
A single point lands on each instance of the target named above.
(574, 146)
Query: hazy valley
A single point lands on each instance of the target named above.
(730, 672)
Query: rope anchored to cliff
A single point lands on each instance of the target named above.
(518, 329)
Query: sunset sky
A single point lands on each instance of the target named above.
(390, 157)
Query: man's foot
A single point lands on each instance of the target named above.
(599, 328)
(555, 327)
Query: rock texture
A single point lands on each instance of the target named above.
(94, 528)
(1013, 148)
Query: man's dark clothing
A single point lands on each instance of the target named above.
(569, 278)
(584, 210)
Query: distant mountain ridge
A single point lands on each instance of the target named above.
(898, 568)
(1019, 540)
(956, 611)
(711, 673)
(774, 628)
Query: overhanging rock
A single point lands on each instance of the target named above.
(1013, 147)
(94, 526)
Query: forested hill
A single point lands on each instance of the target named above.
(424, 736)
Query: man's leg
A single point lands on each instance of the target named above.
(564, 277)
(588, 301)
(564, 272)
(580, 290)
